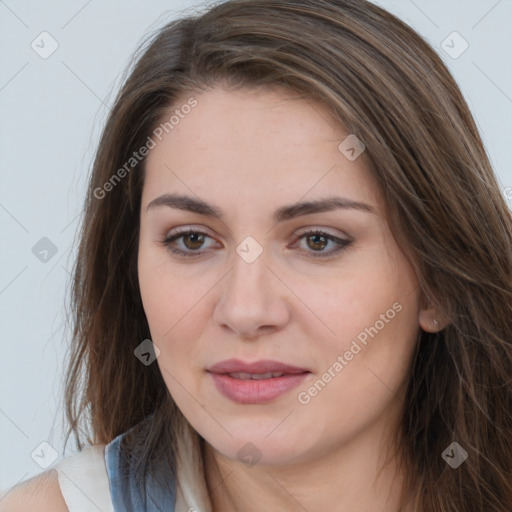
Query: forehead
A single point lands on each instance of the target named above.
(258, 143)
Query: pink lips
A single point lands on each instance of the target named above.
(232, 379)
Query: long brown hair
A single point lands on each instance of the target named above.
(387, 86)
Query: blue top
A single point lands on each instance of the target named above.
(125, 491)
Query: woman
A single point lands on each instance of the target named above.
(293, 287)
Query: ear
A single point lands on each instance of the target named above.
(431, 320)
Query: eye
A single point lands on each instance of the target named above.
(189, 242)
(318, 240)
(192, 243)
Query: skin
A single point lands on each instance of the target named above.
(249, 152)
(41, 493)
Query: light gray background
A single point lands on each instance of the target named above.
(52, 111)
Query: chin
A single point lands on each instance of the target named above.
(256, 442)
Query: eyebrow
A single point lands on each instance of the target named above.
(191, 204)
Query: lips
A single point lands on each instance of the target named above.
(255, 376)
(263, 366)
(257, 382)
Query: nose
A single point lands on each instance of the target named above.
(253, 301)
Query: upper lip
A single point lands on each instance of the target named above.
(262, 366)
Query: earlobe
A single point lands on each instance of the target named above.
(431, 320)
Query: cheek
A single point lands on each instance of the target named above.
(173, 310)
(370, 319)
(366, 291)
(170, 298)
(362, 368)
(177, 309)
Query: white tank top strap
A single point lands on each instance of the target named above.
(84, 481)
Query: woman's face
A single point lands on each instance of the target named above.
(317, 329)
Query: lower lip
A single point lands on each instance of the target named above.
(256, 391)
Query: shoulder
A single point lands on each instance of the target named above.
(41, 493)
(75, 483)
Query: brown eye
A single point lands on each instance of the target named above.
(190, 242)
(193, 240)
(316, 241)
(322, 244)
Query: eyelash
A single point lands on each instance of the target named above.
(342, 244)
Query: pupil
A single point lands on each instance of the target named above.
(196, 240)
(318, 240)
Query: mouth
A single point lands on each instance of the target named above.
(261, 367)
(255, 376)
(257, 382)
